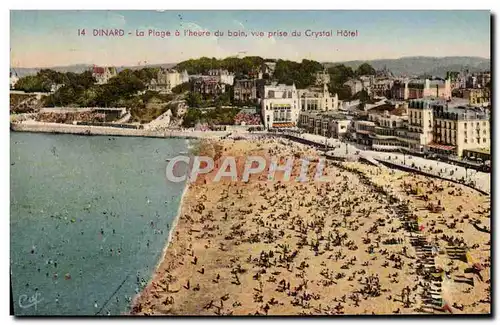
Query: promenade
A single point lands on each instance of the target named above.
(477, 179)
(43, 127)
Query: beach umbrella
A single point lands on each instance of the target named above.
(446, 307)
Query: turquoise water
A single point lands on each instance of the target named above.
(88, 215)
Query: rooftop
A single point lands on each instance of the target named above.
(460, 112)
(390, 108)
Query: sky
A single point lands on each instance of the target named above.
(50, 38)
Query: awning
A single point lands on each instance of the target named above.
(441, 147)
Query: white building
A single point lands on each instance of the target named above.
(224, 76)
(280, 107)
(167, 79)
(13, 80)
(328, 124)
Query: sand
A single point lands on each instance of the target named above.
(345, 246)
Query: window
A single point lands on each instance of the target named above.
(484, 140)
(465, 140)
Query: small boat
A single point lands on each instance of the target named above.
(183, 153)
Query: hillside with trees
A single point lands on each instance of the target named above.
(239, 66)
(127, 89)
(303, 74)
(417, 65)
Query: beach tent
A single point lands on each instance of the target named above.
(469, 257)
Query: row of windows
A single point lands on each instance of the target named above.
(447, 139)
(472, 124)
(385, 143)
(478, 140)
(477, 132)
(280, 108)
(285, 94)
(417, 114)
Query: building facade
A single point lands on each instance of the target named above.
(280, 107)
(167, 79)
(248, 90)
(327, 124)
(355, 85)
(317, 100)
(420, 88)
(13, 80)
(224, 76)
(477, 96)
(460, 128)
(209, 86)
(382, 87)
(430, 127)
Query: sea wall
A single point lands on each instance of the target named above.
(111, 131)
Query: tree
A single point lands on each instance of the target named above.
(339, 74)
(365, 69)
(362, 96)
(146, 74)
(238, 66)
(302, 74)
(183, 87)
(194, 99)
(33, 84)
(192, 116)
(344, 92)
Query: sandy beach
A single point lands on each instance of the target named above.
(370, 240)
